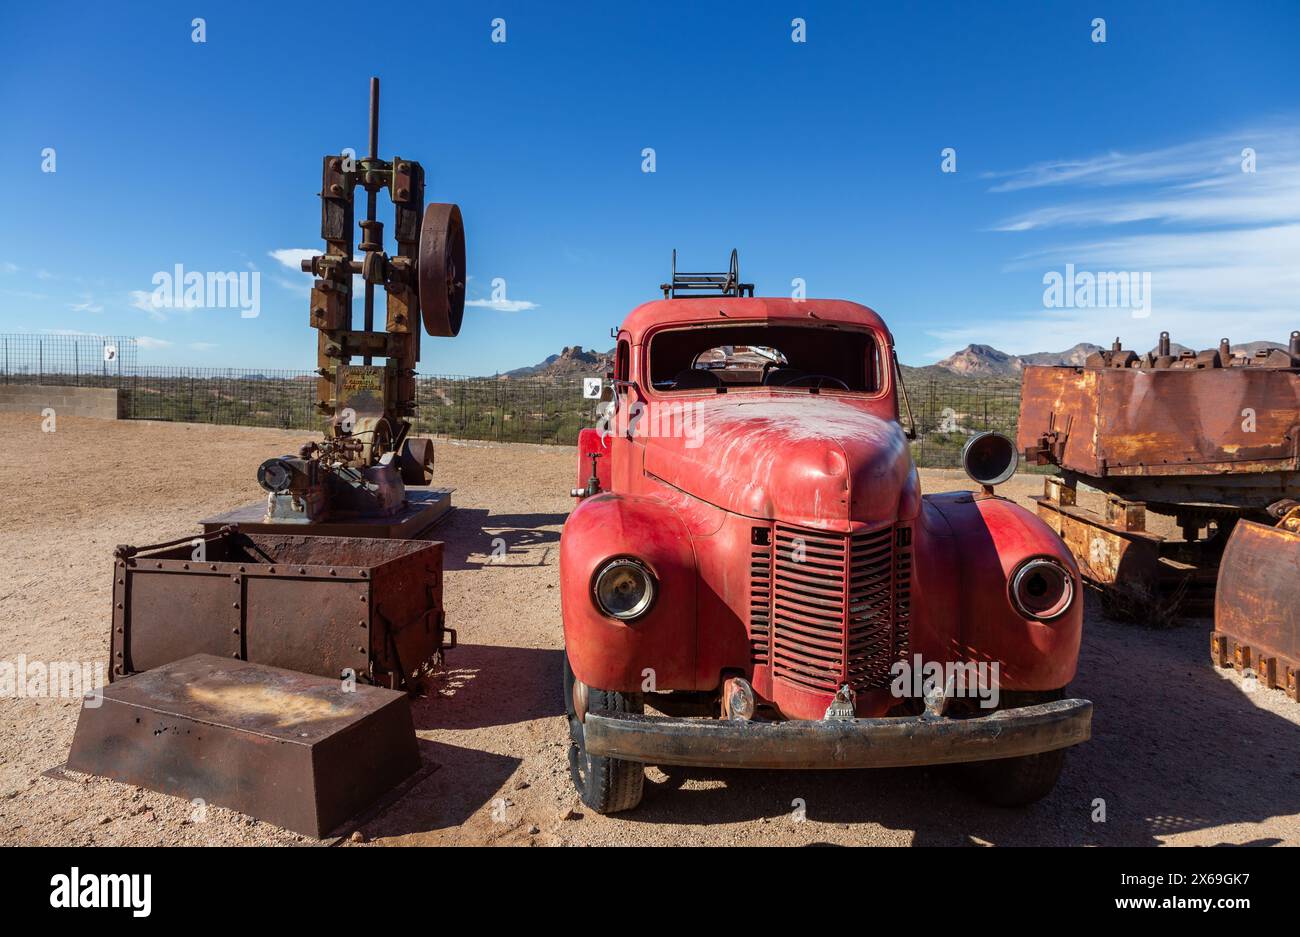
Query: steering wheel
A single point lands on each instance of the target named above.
(814, 380)
(767, 369)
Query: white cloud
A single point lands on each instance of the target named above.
(203, 346)
(502, 305)
(1221, 245)
(88, 306)
(1257, 198)
(292, 257)
(143, 300)
(150, 344)
(8, 267)
(1190, 162)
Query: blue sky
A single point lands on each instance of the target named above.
(819, 160)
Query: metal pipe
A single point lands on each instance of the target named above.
(370, 199)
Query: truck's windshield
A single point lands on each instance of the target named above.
(769, 356)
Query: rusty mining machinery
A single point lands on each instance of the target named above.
(278, 688)
(355, 480)
(1210, 438)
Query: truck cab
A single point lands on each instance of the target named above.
(752, 577)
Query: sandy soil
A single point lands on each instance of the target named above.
(1181, 753)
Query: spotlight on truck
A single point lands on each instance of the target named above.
(989, 458)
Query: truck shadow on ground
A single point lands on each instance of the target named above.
(474, 538)
(487, 685)
(1176, 748)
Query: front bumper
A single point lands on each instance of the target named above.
(890, 742)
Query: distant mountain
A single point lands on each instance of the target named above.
(973, 361)
(570, 362)
(987, 361)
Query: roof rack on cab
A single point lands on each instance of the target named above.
(707, 284)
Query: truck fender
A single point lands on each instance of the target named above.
(657, 650)
(990, 538)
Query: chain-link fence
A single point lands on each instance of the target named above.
(285, 399)
(76, 360)
(949, 412)
(529, 409)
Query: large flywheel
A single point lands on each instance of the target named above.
(441, 273)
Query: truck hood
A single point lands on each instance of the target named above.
(811, 461)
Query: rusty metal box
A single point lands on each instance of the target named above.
(1151, 422)
(320, 605)
(303, 752)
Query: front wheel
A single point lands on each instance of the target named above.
(1017, 782)
(606, 785)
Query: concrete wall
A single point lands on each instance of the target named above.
(99, 402)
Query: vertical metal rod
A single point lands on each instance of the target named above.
(370, 199)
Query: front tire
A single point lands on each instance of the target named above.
(1018, 782)
(606, 785)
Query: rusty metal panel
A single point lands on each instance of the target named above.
(1136, 421)
(155, 638)
(1106, 553)
(1256, 617)
(1061, 401)
(321, 605)
(320, 626)
(1189, 422)
(299, 751)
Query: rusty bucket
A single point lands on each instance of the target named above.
(1257, 606)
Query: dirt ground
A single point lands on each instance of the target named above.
(1181, 753)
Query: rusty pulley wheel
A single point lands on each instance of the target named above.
(416, 460)
(442, 269)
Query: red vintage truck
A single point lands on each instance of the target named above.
(752, 577)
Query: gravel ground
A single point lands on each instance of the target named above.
(1181, 753)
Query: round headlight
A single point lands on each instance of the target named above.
(623, 589)
(1042, 589)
